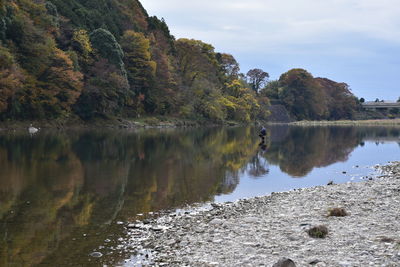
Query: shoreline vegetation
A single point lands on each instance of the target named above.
(113, 123)
(174, 122)
(360, 226)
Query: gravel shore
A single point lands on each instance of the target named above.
(263, 230)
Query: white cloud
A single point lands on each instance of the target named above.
(282, 21)
(277, 34)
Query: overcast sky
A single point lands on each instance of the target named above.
(352, 41)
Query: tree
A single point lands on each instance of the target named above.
(271, 90)
(105, 91)
(81, 42)
(341, 103)
(257, 78)
(33, 46)
(200, 79)
(230, 66)
(62, 82)
(108, 47)
(140, 68)
(11, 78)
(196, 61)
(241, 103)
(302, 95)
(362, 100)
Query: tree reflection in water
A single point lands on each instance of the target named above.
(297, 150)
(55, 187)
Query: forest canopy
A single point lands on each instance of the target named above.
(108, 58)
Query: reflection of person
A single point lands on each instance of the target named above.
(263, 146)
(262, 134)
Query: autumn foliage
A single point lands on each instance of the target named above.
(101, 58)
(309, 98)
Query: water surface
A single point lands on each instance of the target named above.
(64, 195)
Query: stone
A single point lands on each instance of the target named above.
(216, 222)
(251, 220)
(96, 254)
(171, 242)
(216, 206)
(134, 226)
(314, 262)
(157, 228)
(284, 263)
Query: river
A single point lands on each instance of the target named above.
(65, 194)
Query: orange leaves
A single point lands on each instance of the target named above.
(62, 81)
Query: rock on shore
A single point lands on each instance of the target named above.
(263, 230)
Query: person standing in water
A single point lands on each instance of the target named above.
(262, 134)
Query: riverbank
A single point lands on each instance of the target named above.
(384, 122)
(170, 122)
(111, 123)
(260, 231)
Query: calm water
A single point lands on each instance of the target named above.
(63, 194)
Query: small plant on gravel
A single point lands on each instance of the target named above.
(319, 231)
(337, 212)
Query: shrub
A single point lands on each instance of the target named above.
(320, 231)
(338, 212)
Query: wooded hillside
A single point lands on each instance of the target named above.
(108, 57)
(102, 58)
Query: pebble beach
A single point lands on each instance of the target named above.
(263, 230)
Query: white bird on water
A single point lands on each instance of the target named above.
(32, 130)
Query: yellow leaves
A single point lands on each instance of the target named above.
(236, 88)
(141, 69)
(235, 151)
(227, 103)
(235, 83)
(82, 41)
(83, 218)
(201, 46)
(196, 61)
(136, 45)
(240, 102)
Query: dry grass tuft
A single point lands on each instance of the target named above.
(338, 212)
(320, 231)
